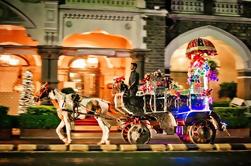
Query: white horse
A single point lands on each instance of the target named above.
(64, 103)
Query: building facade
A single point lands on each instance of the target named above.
(225, 23)
(84, 44)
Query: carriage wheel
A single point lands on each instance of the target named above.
(125, 132)
(139, 134)
(201, 132)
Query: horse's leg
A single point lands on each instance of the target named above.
(105, 131)
(67, 125)
(58, 131)
(106, 134)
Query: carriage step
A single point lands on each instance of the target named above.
(85, 122)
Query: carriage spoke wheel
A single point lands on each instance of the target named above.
(202, 132)
(139, 134)
(124, 132)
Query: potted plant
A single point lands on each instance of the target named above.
(39, 122)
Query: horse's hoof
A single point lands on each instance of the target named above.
(69, 141)
(103, 143)
(64, 140)
(100, 143)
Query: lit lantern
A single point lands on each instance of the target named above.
(79, 63)
(92, 62)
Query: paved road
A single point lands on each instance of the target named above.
(191, 158)
(115, 138)
(118, 158)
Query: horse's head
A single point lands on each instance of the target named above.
(42, 92)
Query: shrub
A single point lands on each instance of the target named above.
(3, 110)
(221, 104)
(39, 117)
(234, 117)
(228, 89)
(41, 110)
(6, 120)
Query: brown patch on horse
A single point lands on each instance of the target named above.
(93, 106)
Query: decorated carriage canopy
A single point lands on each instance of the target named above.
(201, 67)
(200, 46)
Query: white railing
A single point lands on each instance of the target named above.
(187, 6)
(122, 3)
(227, 8)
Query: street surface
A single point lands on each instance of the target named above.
(120, 158)
(115, 138)
(191, 158)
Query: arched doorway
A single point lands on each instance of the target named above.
(233, 56)
(14, 62)
(92, 75)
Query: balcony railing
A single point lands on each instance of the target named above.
(117, 3)
(227, 8)
(187, 6)
(198, 7)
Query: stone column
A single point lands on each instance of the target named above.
(138, 56)
(49, 56)
(244, 84)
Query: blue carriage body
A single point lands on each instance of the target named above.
(189, 111)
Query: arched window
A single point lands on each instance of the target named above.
(12, 60)
(79, 64)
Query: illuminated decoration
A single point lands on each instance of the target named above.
(157, 80)
(200, 73)
(119, 79)
(79, 63)
(26, 95)
(90, 62)
(152, 81)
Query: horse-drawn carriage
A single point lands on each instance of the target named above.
(158, 107)
(155, 107)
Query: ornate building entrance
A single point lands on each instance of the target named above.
(88, 68)
(89, 74)
(233, 58)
